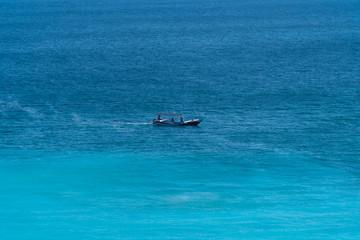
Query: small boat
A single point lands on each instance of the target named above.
(172, 122)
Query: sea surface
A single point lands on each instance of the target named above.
(277, 84)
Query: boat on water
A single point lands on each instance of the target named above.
(171, 122)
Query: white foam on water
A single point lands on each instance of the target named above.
(192, 197)
(6, 106)
(134, 123)
(90, 122)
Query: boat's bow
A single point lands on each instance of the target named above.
(192, 122)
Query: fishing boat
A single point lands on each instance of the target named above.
(172, 122)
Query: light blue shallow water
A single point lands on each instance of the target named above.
(276, 82)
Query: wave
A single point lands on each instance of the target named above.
(8, 106)
(91, 122)
(134, 123)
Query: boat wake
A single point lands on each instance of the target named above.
(133, 123)
(93, 122)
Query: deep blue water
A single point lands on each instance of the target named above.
(276, 82)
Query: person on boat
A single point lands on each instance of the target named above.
(159, 118)
(173, 120)
(181, 119)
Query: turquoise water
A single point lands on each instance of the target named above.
(128, 196)
(276, 82)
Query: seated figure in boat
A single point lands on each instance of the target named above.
(166, 122)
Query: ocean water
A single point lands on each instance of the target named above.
(277, 84)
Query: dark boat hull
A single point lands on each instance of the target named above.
(173, 124)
